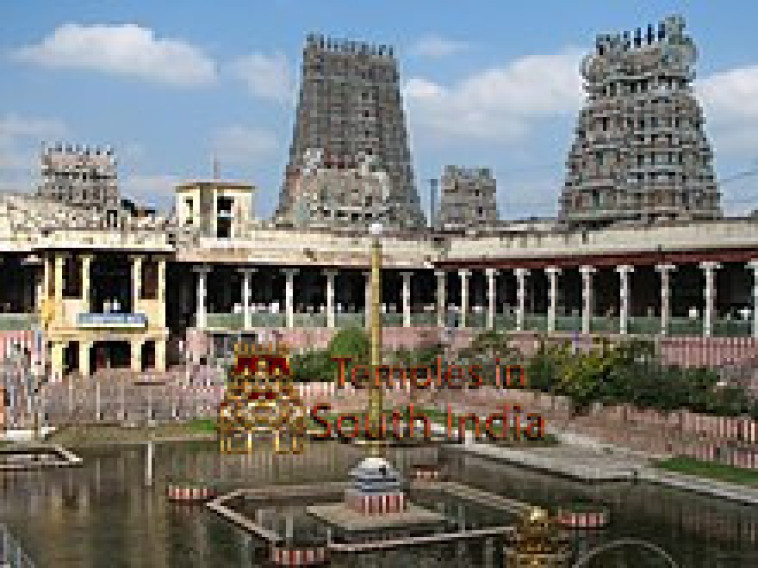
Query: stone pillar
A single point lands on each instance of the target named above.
(710, 296)
(136, 355)
(665, 271)
(43, 285)
(246, 313)
(57, 359)
(162, 280)
(58, 281)
(160, 355)
(406, 296)
(753, 265)
(491, 296)
(624, 271)
(330, 317)
(201, 314)
(521, 274)
(587, 272)
(441, 297)
(136, 282)
(552, 296)
(86, 296)
(84, 358)
(161, 292)
(464, 274)
(289, 295)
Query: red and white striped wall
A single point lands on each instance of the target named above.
(188, 493)
(708, 351)
(298, 556)
(25, 339)
(376, 504)
(427, 474)
(583, 519)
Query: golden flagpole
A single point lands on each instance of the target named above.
(375, 398)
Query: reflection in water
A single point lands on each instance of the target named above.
(103, 515)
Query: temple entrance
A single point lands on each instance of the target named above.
(147, 356)
(110, 355)
(71, 357)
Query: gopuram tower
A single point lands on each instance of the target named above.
(640, 151)
(350, 110)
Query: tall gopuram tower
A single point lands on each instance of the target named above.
(640, 151)
(349, 108)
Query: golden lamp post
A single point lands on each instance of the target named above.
(375, 390)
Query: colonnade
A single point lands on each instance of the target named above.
(522, 274)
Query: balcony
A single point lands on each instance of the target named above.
(111, 321)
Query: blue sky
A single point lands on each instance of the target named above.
(170, 84)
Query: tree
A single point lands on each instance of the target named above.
(352, 343)
(314, 365)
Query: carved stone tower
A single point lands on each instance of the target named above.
(349, 108)
(640, 151)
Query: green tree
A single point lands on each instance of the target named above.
(350, 342)
(313, 365)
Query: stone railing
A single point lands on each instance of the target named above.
(685, 326)
(568, 323)
(535, 322)
(644, 325)
(424, 319)
(225, 321)
(347, 319)
(732, 328)
(505, 322)
(20, 321)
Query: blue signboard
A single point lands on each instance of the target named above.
(112, 320)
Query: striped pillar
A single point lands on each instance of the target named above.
(709, 292)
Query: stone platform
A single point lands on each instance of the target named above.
(340, 516)
(21, 457)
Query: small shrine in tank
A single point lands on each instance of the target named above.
(375, 500)
(376, 488)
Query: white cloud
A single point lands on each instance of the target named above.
(126, 49)
(20, 141)
(498, 104)
(730, 100)
(243, 145)
(436, 46)
(156, 190)
(265, 76)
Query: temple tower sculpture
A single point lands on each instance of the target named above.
(349, 108)
(640, 151)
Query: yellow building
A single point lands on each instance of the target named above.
(219, 209)
(102, 308)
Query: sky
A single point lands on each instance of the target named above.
(169, 85)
